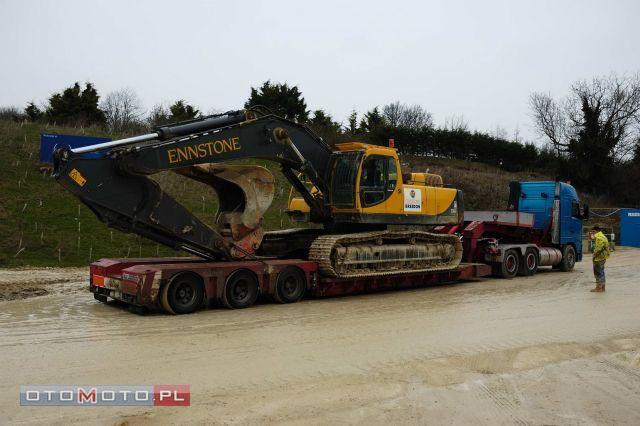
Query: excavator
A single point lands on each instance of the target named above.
(371, 219)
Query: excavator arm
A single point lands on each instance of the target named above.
(119, 190)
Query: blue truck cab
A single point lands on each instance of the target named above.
(558, 213)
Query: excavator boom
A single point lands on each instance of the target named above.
(119, 191)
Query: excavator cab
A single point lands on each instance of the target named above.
(368, 187)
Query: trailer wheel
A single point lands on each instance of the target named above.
(568, 258)
(182, 295)
(510, 264)
(529, 263)
(240, 290)
(290, 285)
(100, 297)
(164, 299)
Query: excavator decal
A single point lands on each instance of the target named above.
(77, 177)
(203, 150)
(412, 200)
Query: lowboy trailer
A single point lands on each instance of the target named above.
(541, 227)
(170, 284)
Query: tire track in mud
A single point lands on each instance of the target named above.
(502, 404)
(628, 371)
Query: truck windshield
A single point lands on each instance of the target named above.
(343, 181)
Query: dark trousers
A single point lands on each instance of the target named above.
(598, 271)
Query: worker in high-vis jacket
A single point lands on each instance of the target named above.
(600, 256)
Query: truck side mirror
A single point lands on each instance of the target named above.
(585, 212)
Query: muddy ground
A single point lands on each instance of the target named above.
(537, 350)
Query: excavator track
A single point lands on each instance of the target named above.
(381, 253)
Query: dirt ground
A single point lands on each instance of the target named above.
(537, 350)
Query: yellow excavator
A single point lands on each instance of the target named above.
(375, 220)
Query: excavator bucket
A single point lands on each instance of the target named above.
(245, 193)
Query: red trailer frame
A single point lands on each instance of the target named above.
(139, 282)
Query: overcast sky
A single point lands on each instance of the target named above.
(478, 59)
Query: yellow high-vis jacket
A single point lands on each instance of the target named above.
(600, 247)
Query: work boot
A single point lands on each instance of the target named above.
(597, 289)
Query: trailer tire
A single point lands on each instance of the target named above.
(182, 295)
(510, 264)
(240, 290)
(164, 302)
(568, 258)
(529, 264)
(290, 285)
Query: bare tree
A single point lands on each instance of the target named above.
(392, 113)
(550, 120)
(500, 132)
(413, 117)
(158, 115)
(603, 113)
(122, 110)
(456, 123)
(11, 113)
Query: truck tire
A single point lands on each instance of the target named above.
(240, 290)
(291, 285)
(568, 258)
(182, 295)
(510, 264)
(529, 264)
(100, 297)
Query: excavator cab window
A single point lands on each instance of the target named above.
(378, 180)
(343, 181)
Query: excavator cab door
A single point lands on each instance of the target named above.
(378, 179)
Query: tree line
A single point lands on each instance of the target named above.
(119, 111)
(411, 126)
(592, 135)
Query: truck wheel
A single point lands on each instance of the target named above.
(182, 295)
(291, 285)
(100, 297)
(568, 259)
(240, 290)
(529, 263)
(510, 264)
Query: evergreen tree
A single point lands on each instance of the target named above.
(372, 121)
(75, 106)
(33, 112)
(322, 124)
(353, 123)
(181, 111)
(281, 99)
